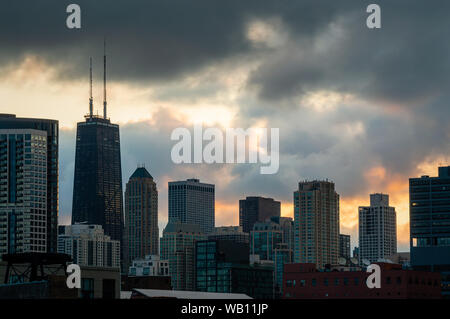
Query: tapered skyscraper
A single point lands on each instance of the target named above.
(97, 191)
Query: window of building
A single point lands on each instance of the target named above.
(87, 288)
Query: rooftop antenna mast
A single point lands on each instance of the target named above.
(104, 79)
(91, 104)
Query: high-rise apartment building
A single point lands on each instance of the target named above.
(28, 185)
(316, 223)
(192, 202)
(377, 229)
(178, 247)
(97, 187)
(256, 209)
(89, 246)
(141, 216)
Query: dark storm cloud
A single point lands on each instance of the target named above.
(408, 58)
(146, 39)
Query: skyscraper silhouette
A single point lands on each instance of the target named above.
(97, 191)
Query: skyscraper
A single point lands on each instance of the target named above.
(141, 216)
(316, 223)
(377, 229)
(28, 184)
(192, 202)
(178, 247)
(256, 209)
(97, 189)
(429, 213)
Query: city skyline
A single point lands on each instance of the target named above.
(367, 125)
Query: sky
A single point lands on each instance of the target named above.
(365, 108)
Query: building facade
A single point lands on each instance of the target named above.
(232, 233)
(377, 229)
(304, 281)
(316, 223)
(89, 246)
(209, 257)
(223, 266)
(28, 185)
(283, 255)
(141, 216)
(256, 209)
(192, 202)
(151, 265)
(344, 246)
(429, 213)
(178, 247)
(264, 238)
(97, 188)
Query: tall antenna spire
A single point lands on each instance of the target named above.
(91, 104)
(104, 78)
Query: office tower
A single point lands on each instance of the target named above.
(377, 229)
(429, 213)
(192, 202)
(231, 233)
(316, 223)
(28, 184)
(223, 266)
(344, 246)
(264, 238)
(89, 246)
(141, 216)
(97, 187)
(178, 247)
(256, 209)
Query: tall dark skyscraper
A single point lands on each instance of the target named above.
(97, 190)
(28, 184)
(256, 209)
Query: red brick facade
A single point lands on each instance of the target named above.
(303, 281)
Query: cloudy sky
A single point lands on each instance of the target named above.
(364, 108)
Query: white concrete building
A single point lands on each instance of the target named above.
(377, 229)
(89, 246)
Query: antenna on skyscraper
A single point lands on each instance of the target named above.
(91, 104)
(104, 78)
